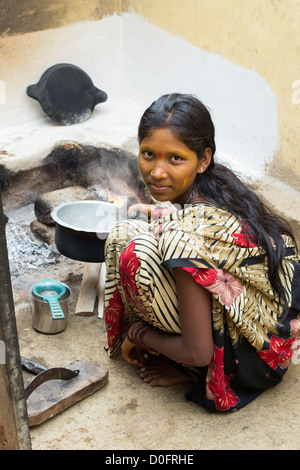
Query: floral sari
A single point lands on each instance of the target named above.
(255, 336)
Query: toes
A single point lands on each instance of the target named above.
(154, 383)
(148, 375)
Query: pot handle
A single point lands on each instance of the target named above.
(55, 308)
(100, 96)
(34, 92)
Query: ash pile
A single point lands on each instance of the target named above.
(30, 231)
(26, 252)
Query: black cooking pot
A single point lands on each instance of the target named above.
(81, 229)
(66, 93)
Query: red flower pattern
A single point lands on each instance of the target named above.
(129, 264)
(295, 327)
(243, 240)
(226, 286)
(295, 332)
(114, 314)
(218, 282)
(205, 277)
(279, 353)
(217, 383)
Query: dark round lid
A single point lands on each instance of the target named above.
(66, 93)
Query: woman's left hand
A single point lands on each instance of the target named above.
(132, 353)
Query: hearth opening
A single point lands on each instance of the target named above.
(71, 172)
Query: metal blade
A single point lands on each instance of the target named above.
(55, 373)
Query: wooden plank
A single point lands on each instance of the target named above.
(55, 396)
(101, 290)
(88, 290)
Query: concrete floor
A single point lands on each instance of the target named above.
(128, 414)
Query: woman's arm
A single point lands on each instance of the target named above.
(194, 346)
(151, 211)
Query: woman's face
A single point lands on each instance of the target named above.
(168, 166)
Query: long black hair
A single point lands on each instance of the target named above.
(190, 120)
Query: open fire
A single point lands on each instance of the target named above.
(117, 200)
(110, 175)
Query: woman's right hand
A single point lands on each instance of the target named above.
(144, 209)
(132, 353)
(152, 211)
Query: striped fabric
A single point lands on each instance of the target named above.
(211, 245)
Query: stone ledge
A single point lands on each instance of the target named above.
(46, 203)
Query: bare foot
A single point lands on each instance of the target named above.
(158, 372)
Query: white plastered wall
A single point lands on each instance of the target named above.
(134, 62)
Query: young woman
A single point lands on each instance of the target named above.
(207, 291)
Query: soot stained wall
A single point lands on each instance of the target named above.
(23, 16)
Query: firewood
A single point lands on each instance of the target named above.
(101, 289)
(88, 290)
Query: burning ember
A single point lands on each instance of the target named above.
(114, 199)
